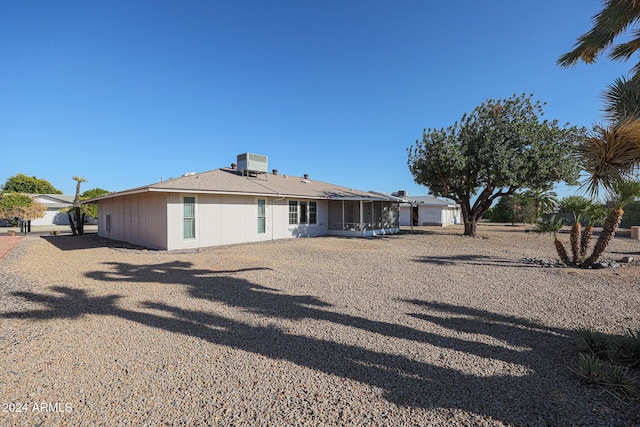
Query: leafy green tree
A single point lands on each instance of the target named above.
(22, 183)
(502, 146)
(614, 20)
(15, 206)
(513, 208)
(505, 210)
(91, 209)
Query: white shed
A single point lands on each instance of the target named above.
(429, 210)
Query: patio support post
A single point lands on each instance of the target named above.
(361, 217)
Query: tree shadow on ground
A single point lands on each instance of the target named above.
(474, 259)
(531, 354)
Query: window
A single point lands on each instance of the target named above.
(262, 216)
(293, 212)
(189, 218)
(303, 212)
(313, 216)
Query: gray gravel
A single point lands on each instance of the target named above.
(423, 328)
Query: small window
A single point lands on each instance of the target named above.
(313, 217)
(303, 212)
(189, 218)
(262, 216)
(293, 212)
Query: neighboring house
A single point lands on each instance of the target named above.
(428, 210)
(241, 204)
(54, 203)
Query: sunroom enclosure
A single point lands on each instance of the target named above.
(363, 217)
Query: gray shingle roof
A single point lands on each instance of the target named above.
(431, 201)
(229, 181)
(55, 201)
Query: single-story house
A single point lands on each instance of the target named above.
(54, 203)
(243, 203)
(428, 210)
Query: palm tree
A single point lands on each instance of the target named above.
(622, 99)
(614, 19)
(625, 192)
(578, 207)
(77, 221)
(543, 200)
(552, 226)
(595, 214)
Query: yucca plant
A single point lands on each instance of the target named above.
(629, 352)
(588, 368)
(592, 342)
(610, 156)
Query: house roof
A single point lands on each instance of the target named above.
(430, 201)
(56, 201)
(231, 181)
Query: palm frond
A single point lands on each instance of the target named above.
(613, 20)
(622, 99)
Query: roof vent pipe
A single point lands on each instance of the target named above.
(234, 166)
(275, 171)
(306, 176)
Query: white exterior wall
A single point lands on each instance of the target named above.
(52, 217)
(139, 218)
(430, 215)
(405, 215)
(228, 219)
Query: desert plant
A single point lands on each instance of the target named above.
(592, 342)
(552, 226)
(608, 361)
(625, 192)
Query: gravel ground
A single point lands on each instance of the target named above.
(422, 328)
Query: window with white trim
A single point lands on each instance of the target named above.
(189, 221)
(262, 216)
(313, 213)
(303, 212)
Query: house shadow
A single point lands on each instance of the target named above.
(88, 240)
(405, 380)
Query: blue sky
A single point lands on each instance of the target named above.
(124, 93)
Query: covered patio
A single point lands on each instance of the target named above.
(363, 217)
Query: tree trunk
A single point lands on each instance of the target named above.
(608, 230)
(575, 241)
(79, 220)
(562, 253)
(587, 233)
(470, 227)
(71, 223)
